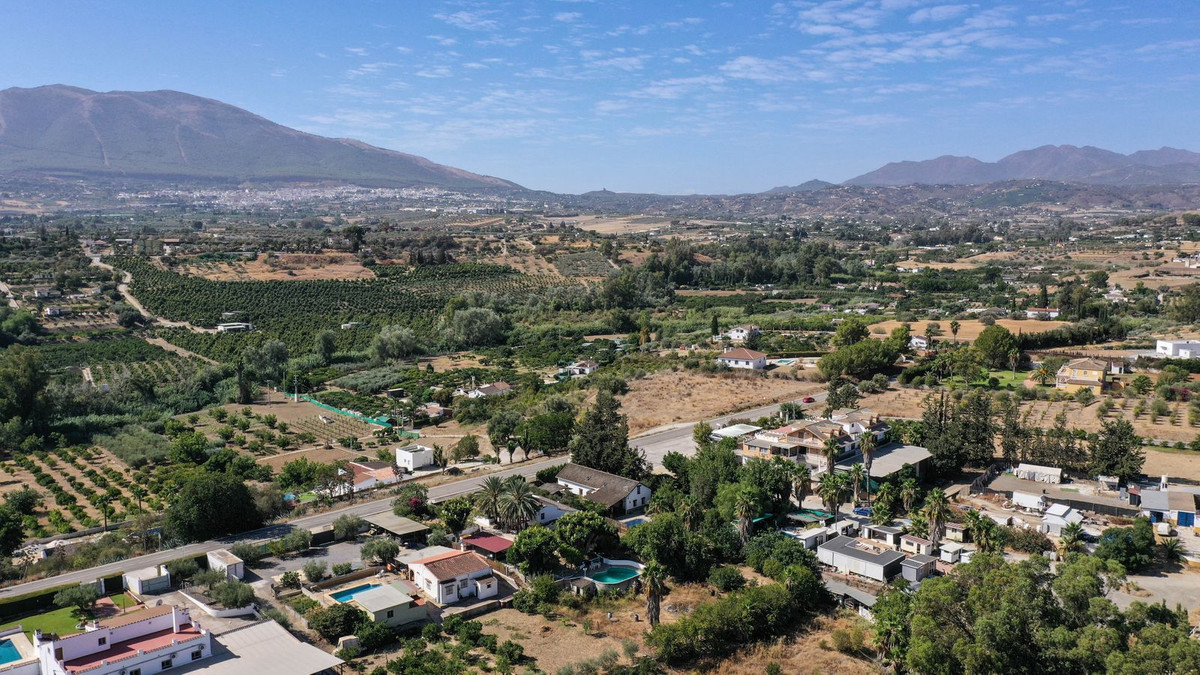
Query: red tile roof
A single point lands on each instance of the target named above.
(488, 542)
(743, 355)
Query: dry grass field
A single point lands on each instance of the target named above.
(281, 267)
(969, 329)
(626, 225)
(668, 397)
(907, 403)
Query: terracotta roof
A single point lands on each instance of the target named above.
(488, 542)
(742, 355)
(1087, 364)
(450, 566)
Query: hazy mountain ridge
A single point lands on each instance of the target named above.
(62, 130)
(1065, 163)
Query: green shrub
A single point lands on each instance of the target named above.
(727, 579)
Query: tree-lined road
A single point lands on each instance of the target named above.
(437, 494)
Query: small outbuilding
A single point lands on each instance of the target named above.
(413, 457)
(221, 559)
(148, 580)
(1041, 474)
(918, 567)
(404, 529)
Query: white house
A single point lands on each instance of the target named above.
(221, 559)
(1038, 312)
(739, 334)
(580, 368)
(1041, 474)
(1177, 349)
(142, 642)
(619, 495)
(1026, 500)
(448, 577)
(413, 457)
(743, 358)
(234, 327)
(493, 389)
(1058, 516)
(919, 342)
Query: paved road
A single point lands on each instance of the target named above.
(678, 437)
(7, 292)
(436, 494)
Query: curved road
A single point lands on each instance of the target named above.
(123, 289)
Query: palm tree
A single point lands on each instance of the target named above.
(439, 457)
(983, 530)
(138, 493)
(654, 577)
(1172, 549)
(908, 493)
(936, 512)
(691, 512)
(832, 450)
(1043, 375)
(868, 444)
(746, 510)
(518, 504)
(801, 482)
(1071, 538)
(831, 488)
(885, 498)
(954, 326)
(491, 493)
(1014, 360)
(857, 475)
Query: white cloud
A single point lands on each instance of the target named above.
(470, 20)
(937, 13)
(568, 17)
(758, 69)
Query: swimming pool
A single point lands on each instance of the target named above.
(9, 652)
(348, 594)
(614, 574)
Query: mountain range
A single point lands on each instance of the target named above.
(169, 135)
(1065, 163)
(166, 135)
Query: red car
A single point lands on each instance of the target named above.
(808, 399)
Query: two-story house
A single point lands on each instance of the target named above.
(1083, 374)
(143, 642)
(805, 440)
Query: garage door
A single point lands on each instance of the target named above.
(1187, 519)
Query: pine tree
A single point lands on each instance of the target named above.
(601, 441)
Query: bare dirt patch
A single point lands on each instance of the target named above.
(281, 267)
(553, 644)
(969, 329)
(668, 397)
(809, 652)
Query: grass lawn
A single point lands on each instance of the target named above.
(60, 621)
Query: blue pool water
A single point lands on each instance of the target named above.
(614, 575)
(8, 652)
(348, 594)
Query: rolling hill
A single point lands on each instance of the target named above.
(1067, 163)
(169, 135)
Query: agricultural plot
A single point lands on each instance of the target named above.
(584, 264)
(293, 310)
(268, 430)
(277, 267)
(77, 483)
(170, 369)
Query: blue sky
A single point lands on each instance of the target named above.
(649, 95)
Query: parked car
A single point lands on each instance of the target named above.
(808, 399)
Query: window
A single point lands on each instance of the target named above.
(103, 641)
(135, 671)
(167, 665)
(198, 654)
(391, 613)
